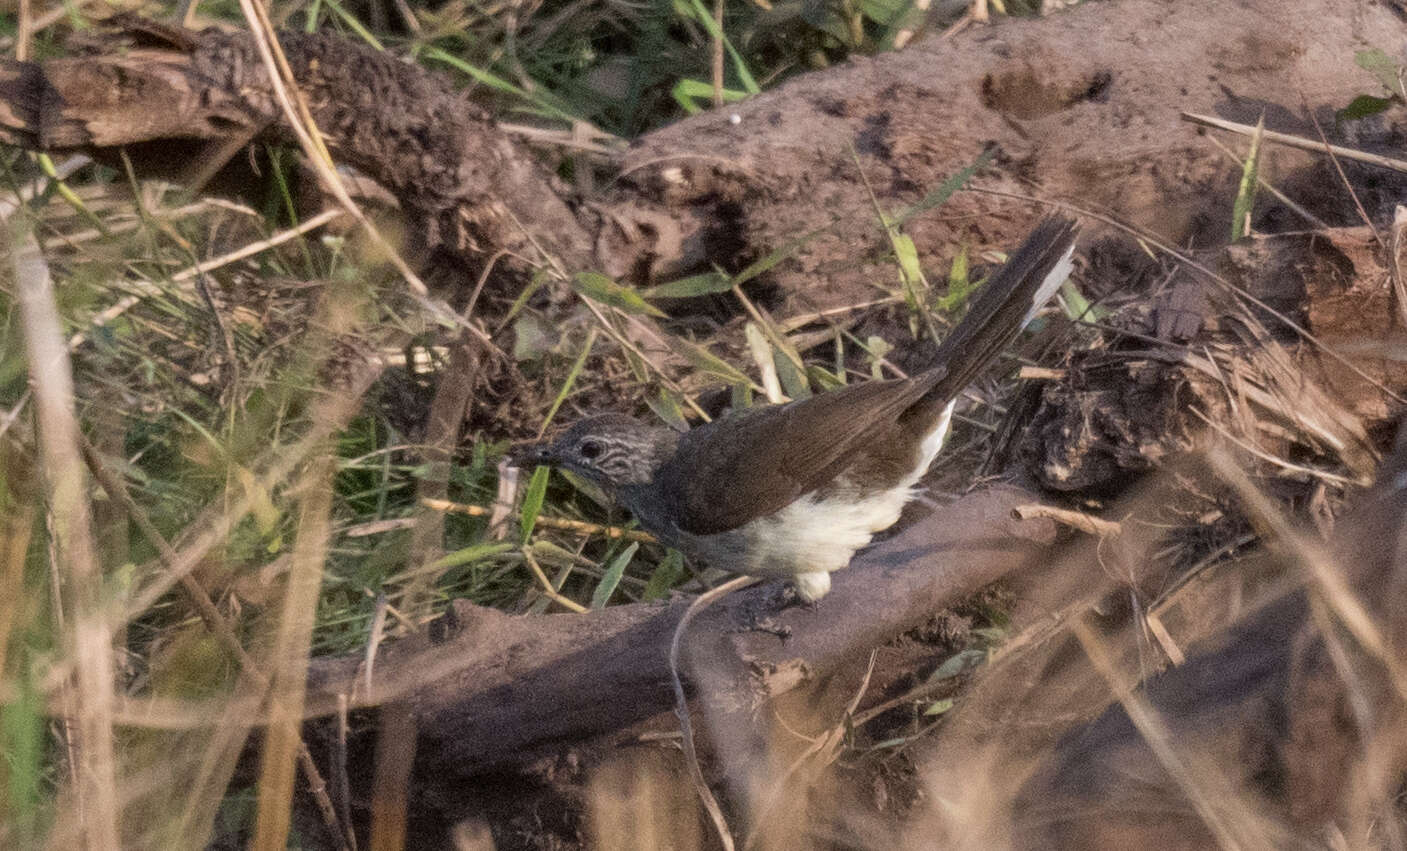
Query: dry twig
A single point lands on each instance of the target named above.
(681, 704)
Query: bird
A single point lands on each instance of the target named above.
(793, 490)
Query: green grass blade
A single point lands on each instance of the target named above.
(572, 376)
(707, 361)
(668, 407)
(493, 81)
(946, 189)
(354, 25)
(690, 93)
(1246, 193)
(793, 379)
(707, 283)
(664, 577)
(600, 288)
(1079, 308)
(614, 571)
(532, 501)
(467, 555)
(709, 24)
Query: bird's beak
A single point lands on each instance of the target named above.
(531, 455)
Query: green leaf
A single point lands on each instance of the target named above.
(532, 501)
(957, 664)
(1382, 66)
(601, 288)
(467, 555)
(354, 25)
(823, 378)
(907, 254)
(959, 274)
(1364, 106)
(614, 571)
(877, 348)
(538, 97)
(664, 577)
(889, 743)
(908, 16)
(1079, 308)
(1246, 193)
(22, 735)
(707, 283)
(757, 267)
(910, 273)
(741, 396)
(668, 407)
(960, 285)
(883, 12)
(587, 487)
(793, 380)
(538, 279)
(688, 93)
(261, 504)
(938, 707)
(707, 361)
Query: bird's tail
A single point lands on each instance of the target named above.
(1001, 308)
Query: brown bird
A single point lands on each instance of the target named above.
(794, 490)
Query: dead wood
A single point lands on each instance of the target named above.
(1288, 721)
(491, 690)
(468, 189)
(1083, 107)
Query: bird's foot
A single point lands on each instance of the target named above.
(761, 614)
(765, 623)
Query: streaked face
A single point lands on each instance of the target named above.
(610, 450)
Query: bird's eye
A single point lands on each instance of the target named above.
(589, 449)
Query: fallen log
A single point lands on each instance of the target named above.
(492, 691)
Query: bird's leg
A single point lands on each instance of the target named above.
(811, 587)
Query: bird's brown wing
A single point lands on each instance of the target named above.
(757, 461)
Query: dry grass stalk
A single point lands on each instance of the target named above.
(144, 288)
(1152, 241)
(1319, 565)
(1259, 378)
(283, 739)
(219, 627)
(300, 120)
(450, 406)
(1300, 142)
(90, 694)
(1227, 813)
(1087, 523)
(563, 523)
(213, 525)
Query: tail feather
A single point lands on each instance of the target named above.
(1001, 308)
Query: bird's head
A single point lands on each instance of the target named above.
(610, 450)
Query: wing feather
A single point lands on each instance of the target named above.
(755, 462)
(758, 461)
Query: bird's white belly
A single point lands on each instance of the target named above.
(819, 535)
(816, 534)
